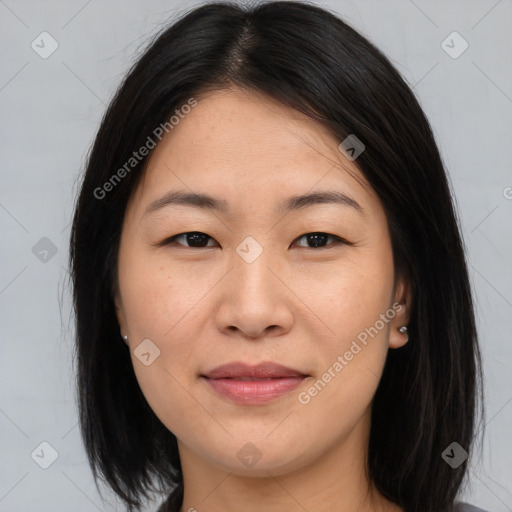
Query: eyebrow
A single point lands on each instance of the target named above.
(210, 203)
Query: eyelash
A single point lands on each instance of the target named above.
(338, 240)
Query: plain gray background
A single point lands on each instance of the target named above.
(50, 111)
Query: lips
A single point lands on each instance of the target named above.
(242, 371)
(253, 385)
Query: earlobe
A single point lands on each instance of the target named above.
(398, 337)
(399, 332)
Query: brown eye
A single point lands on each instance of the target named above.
(318, 240)
(196, 239)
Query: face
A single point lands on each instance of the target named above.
(308, 285)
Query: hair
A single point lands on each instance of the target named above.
(310, 60)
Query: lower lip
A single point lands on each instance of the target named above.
(254, 392)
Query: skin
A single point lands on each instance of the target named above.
(296, 305)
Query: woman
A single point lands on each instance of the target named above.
(272, 302)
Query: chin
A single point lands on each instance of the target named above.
(258, 458)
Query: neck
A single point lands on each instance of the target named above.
(335, 481)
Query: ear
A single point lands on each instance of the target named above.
(402, 307)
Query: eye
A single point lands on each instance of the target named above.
(318, 240)
(197, 240)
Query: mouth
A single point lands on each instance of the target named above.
(253, 385)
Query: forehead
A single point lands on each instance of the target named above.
(247, 147)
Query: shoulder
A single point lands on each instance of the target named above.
(466, 507)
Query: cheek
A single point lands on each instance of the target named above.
(355, 306)
(352, 360)
(168, 396)
(163, 309)
(156, 301)
(350, 297)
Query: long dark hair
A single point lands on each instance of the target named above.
(310, 60)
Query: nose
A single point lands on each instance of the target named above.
(255, 301)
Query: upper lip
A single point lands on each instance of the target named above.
(262, 370)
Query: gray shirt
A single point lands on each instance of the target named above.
(466, 507)
(457, 507)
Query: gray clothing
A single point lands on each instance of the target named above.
(466, 507)
(457, 507)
